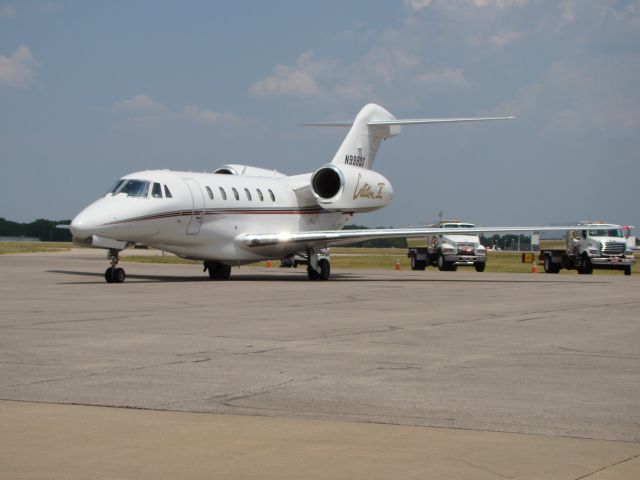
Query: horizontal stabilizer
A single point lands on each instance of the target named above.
(408, 121)
(429, 121)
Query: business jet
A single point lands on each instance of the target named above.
(241, 214)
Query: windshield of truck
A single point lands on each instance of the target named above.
(458, 225)
(606, 232)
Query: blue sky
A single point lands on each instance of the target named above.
(90, 91)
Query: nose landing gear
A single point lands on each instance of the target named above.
(114, 274)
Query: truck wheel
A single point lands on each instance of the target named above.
(480, 266)
(587, 266)
(417, 264)
(549, 266)
(627, 270)
(442, 265)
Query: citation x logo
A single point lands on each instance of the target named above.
(366, 191)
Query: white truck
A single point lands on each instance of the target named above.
(595, 245)
(448, 251)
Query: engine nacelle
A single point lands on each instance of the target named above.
(346, 188)
(247, 170)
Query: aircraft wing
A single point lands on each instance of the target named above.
(344, 237)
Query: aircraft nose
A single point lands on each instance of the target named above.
(81, 227)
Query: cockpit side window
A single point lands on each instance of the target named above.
(223, 193)
(134, 188)
(156, 192)
(209, 192)
(235, 193)
(167, 193)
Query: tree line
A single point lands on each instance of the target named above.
(42, 229)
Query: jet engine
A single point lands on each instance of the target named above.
(345, 188)
(247, 170)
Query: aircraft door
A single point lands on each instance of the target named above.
(197, 211)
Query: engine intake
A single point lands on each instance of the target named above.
(346, 188)
(327, 182)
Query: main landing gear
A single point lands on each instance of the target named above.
(114, 274)
(317, 269)
(217, 270)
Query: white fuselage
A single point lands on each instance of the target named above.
(207, 212)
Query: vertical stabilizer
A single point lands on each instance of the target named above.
(361, 144)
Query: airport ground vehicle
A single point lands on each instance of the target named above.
(448, 251)
(595, 245)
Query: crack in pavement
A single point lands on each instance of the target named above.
(608, 466)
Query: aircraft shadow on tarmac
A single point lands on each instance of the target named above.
(300, 276)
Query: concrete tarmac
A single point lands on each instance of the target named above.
(373, 374)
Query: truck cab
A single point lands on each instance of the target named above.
(448, 251)
(596, 245)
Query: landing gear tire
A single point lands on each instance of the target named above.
(114, 275)
(325, 269)
(217, 270)
(312, 274)
(323, 274)
(480, 266)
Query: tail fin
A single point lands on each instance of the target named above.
(374, 124)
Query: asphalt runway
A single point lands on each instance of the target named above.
(555, 358)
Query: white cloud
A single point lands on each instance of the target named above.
(568, 9)
(583, 97)
(193, 113)
(386, 63)
(502, 39)
(499, 4)
(17, 70)
(7, 11)
(417, 5)
(144, 111)
(296, 81)
(443, 80)
(141, 104)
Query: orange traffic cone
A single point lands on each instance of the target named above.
(397, 267)
(534, 269)
(268, 265)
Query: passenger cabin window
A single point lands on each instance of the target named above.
(273, 197)
(260, 196)
(209, 192)
(156, 192)
(223, 193)
(246, 190)
(167, 193)
(133, 188)
(235, 193)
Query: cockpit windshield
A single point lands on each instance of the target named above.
(606, 232)
(132, 188)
